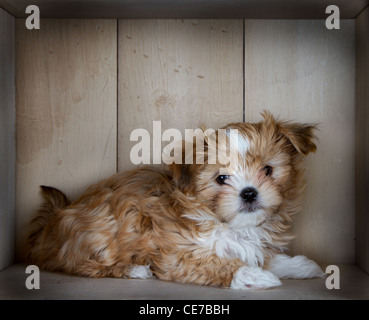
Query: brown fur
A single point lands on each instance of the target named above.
(156, 215)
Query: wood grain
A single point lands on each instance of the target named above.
(362, 140)
(304, 72)
(7, 139)
(184, 73)
(66, 110)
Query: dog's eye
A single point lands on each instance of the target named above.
(268, 170)
(221, 179)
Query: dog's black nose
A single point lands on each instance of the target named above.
(249, 194)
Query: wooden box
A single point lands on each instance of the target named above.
(72, 92)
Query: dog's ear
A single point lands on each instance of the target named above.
(184, 169)
(301, 136)
(183, 176)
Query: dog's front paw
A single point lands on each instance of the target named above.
(254, 278)
(298, 267)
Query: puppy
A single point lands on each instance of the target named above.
(206, 224)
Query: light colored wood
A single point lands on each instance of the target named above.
(184, 73)
(304, 72)
(354, 285)
(186, 9)
(66, 110)
(7, 139)
(362, 140)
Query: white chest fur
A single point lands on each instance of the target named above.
(244, 244)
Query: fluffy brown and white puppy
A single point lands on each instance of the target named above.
(188, 223)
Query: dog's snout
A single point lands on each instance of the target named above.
(249, 194)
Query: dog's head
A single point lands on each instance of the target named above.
(262, 179)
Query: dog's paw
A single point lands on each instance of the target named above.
(141, 272)
(298, 267)
(254, 278)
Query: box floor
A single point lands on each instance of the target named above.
(354, 284)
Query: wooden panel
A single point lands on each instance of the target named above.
(183, 72)
(66, 109)
(362, 140)
(186, 9)
(304, 72)
(7, 139)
